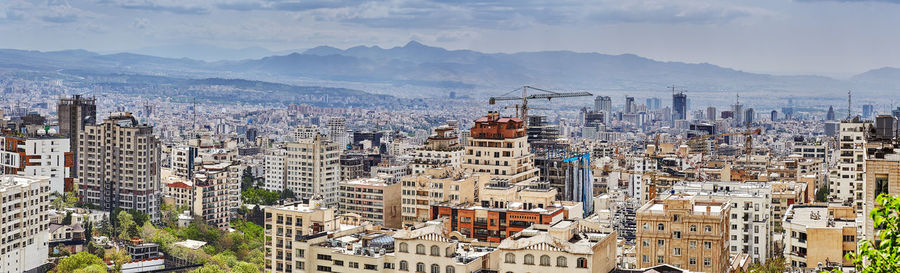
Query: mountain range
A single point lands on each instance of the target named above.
(418, 70)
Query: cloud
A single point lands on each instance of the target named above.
(854, 1)
(176, 7)
(140, 23)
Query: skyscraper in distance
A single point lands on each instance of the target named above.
(679, 106)
(830, 114)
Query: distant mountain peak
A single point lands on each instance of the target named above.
(414, 43)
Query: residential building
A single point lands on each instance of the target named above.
(374, 199)
(337, 131)
(429, 248)
(434, 186)
(304, 132)
(39, 154)
(499, 147)
(679, 106)
(307, 167)
(442, 148)
(24, 222)
(73, 114)
(214, 192)
(119, 166)
(819, 234)
(684, 232)
(847, 180)
(566, 246)
(785, 194)
(287, 224)
(882, 177)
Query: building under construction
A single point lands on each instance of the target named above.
(560, 166)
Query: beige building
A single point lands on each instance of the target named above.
(683, 232)
(882, 176)
(441, 149)
(785, 194)
(24, 222)
(428, 248)
(288, 224)
(307, 167)
(819, 234)
(373, 199)
(118, 165)
(846, 181)
(499, 147)
(566, 246)
(435, 186)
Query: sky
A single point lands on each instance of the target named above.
(837, 38)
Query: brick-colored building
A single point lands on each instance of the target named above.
(499, 146)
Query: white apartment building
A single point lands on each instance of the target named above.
(309, 167)
(24, 223)
(847, 181)
(40, 155)
(304, 132)
(441, 149)
(750, 222)
(337, 131)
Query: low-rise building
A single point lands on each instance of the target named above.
(421, 191)
(569, 246)
(819, 234)
(46, 154)
(374, 199)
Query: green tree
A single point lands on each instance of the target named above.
(883, 255)
(88, 230)
(774, 265)
(209, 268)
(94, 268)
(125, 225)
(118, 258)
(822, 193)
(245, 267)
(67, 220)
(78, 261)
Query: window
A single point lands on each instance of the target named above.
(545, 260)
(450, 269)
(420, 249)
(510, 258)
(677, 234)
(645, 242)
(435, 251)
(707, 262)
(420, 267)
(646, 226)
(693, 228)
(644, 259)
(561, 261)
(693, 244)
(403, 248)
(449, 251)
(660, 227)
(707, 228)
(582, 263)
(404, 266)
(660, 242)
(529, 259)
(435, 268)
(692, 261)
(881, 184)
(676, 251)
(660, 259)
(707, 245)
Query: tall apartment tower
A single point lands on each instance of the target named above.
(499, 146)
(337, 130)
(25, 202)
(830, 114)
(711, 113)
(629, 104)
(307, 167)
(738, 110)
(679, 106)
(602, 103)
(74, 113)
(846, 182)
(749, 115)
(119, 165)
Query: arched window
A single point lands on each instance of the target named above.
(404, 266)
(561, 262)
(529, 259)
(660, 227)
(420, 267)
(450, 251)
(435, 251)
(450, 269)
(582, 263)
(510, 258)
(420, 249)
(403, 248)
(435, 268)
(545, 260)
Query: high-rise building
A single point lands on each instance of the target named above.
(499, 146)
(629, 104)
(602, 103)
(653, 103)
(216, 187)
(118, 165)
(773, 116)
(74, 113)
(44, 154)
(868, 111)
(684, 232)
(337, 131)
(711, 113)
(306, 167)
(738, 110)
(25, 202)
(830, 114)
(847, 181)
(817, 234)
(679, 106)
(749, 115)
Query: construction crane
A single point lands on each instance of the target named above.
(522, 112)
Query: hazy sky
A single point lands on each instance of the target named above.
(827, 37)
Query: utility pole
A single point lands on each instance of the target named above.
(849, 103)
